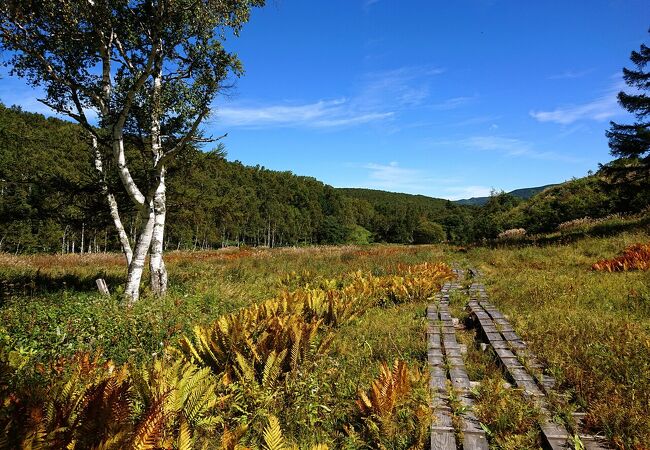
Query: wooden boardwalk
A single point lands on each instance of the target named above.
(449, 381)
(447, 371)
(521, 366)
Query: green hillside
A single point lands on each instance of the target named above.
(523, 193)
(377, 196)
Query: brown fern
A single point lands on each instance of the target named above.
(635, 257)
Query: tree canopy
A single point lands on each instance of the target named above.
(631, 142)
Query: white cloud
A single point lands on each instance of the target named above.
(600, 109)
(400, 88)
(322, 114)
(508, 147)
(29, 102)
(478, 120)
(462, 192)
(393, 177)
(381, 95)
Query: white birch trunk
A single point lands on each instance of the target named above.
(112, 206)
(132, 290)
(157, 269)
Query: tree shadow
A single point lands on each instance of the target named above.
(39, 283)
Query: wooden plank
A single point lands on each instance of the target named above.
(475, 441)
(504, 353)
(492, 337)
(442, 417)
(455, 361)
(438, 384)
(102, 288)
(433, 341)
(511, 336)
(499, 344)
(461, 383)
(438, 372)
(529, 387)
(520, 373)
(443, 439)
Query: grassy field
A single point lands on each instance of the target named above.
(592, 329)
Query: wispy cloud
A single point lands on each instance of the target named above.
(506, 146)
(393, 177)
(381, 95)
(600, 109)
(461, 192)
(321, 114)
(451, 103)
(478, 120)
(28, 99)
(510, 146)
(401, 88)
(570, 74)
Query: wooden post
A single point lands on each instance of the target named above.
(101, 286)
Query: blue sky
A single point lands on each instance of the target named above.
(448, 99)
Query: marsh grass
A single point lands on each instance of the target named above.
(46, 326)
(590, 328)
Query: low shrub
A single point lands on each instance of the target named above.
(512, 234)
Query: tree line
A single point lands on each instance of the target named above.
(50, 201)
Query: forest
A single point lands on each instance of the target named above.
(50, 201)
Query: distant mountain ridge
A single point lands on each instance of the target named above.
(523, 193)
(379, 196)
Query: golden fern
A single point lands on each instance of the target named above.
(184, 441)
(230, 438)
(390, 387)
(273, 439)
(150, 430)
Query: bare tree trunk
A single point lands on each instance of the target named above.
(112, 206)
(132, 290)
(63, 242)
(158, 271)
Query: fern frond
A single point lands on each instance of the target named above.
(184, 441)
(273, 439)
(230, 438)
(273, 368)
(150, 429)
(114, 442)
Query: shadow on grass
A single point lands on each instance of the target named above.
(30, 285)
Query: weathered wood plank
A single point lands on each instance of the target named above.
(102, 288)
(443, 439)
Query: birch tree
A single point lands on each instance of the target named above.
(142, 71)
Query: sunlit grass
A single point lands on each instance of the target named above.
(591, 328)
